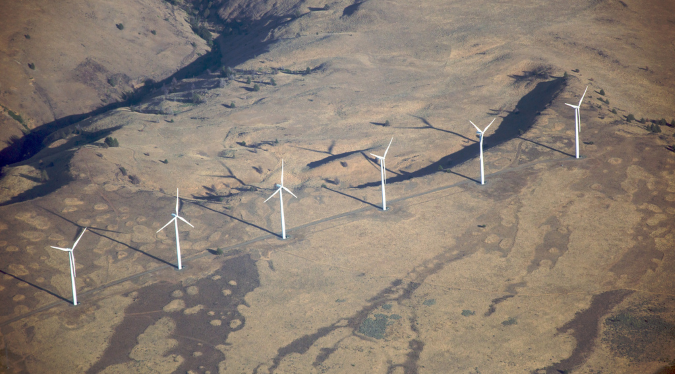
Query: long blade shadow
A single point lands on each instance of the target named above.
(376, 165)
(428, 125)
(234, 218)
(352, 197)
(545, 146)
(35, 286)
(511, 127)
(461, 175)
(338, 156)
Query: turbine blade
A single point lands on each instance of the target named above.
(582, 96)
(79, 237)
(63, 249)
(573, 106)
(167, 224)
(183, 219)
(376, 156)
(275, 192)
(489, 125)
(177, 201)
(289, 191)
(474, 125)
(387, 150)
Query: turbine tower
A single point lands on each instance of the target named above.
(175, 219)
(480, 134)
(577, 121)
(281, 199)
(71, 259)
(383, 173)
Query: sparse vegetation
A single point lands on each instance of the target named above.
(256, 87)
(232, 106)
(201, 30)
(613, 111)
(248, 80)
(510, 321)
(219, 251)
(120, 26)
(630, 117)
(111, 142)
(123, 170)
(153, 32)
(31, 66)
(602, 92)
(165, 161)
(467, 312)
(326, 7)
(44, 176)
(134, 179)
(308, 70)
(112, 81)
(386, 123)
(273, 82)
(27, 36)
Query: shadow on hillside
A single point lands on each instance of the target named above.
(57, 168)
(512, 126)
(243, 39)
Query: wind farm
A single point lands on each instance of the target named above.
(547, 263)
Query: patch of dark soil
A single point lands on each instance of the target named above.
(512, 126)
(554, 245)
(584, 327)
(493, 304)
(194, 332)
(641, 334)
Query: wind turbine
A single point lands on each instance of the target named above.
(480, 134)
(281, 199)
(71, 258)
(577, 121)
(175, 219)
(383, 173)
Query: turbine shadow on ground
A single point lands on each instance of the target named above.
(545, 146)
(428, 125)
(199, 204)
(338, 156)
(35, 286)
(512, 126)
(351, 197)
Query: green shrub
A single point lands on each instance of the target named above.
(642, 120)
(630, 117)
(663, 122)
(197, 98)
(308, 70)
(232, 104)
(120, 26)
(386, 123)
(165, 161)
(613, 111)
(248, 80)
(256, 87)
(153, 32)
(112, 81)
(31, 66)
(111, 142)
(602, 92)
(326, 7)
(273, 82)
(219, 251)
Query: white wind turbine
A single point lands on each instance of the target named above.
(383, 173)
(71, 258)
(480, 134)
(577, 121)
(175, 219)
(281, 199)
